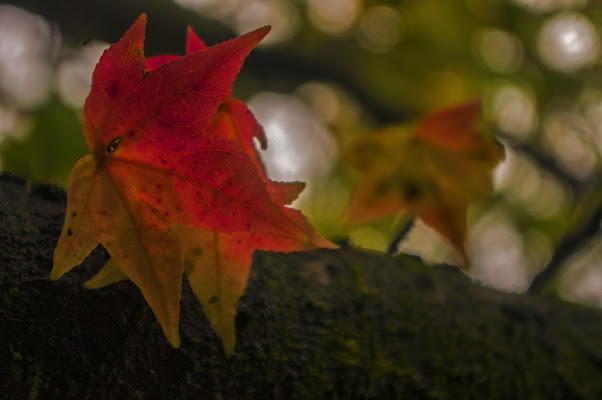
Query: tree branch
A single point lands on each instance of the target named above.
(344, 324)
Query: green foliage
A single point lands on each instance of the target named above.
(49, 148)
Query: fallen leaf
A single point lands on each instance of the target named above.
(432, 171)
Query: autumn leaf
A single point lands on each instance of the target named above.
(236, 123)
(432, 171)
(217, 264)
(159, 179)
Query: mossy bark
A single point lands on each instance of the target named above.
(344, 324)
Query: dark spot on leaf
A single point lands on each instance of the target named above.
(196, 252)
(411, 190)
(111, 89)
(113, 145)
(163, 162)
(213, 300)
(73, 215)
(69, 232)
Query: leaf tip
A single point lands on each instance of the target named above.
(193, 42)
(55, 274)
(174, 341)
(327, 244)
(171, 332)
(260, 33)
(139, 24)
(229, 349)
(136, 32)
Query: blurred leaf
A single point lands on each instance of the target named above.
(49, 149)
(432, 171)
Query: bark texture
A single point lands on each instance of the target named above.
(344, 324)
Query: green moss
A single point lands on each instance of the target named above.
(16, 355)
(360, 285)
(35, 381)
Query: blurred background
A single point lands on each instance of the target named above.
(331, 70)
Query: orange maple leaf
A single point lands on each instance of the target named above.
(432, 171)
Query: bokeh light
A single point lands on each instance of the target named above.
(512, 109)
(427, 243)
(28, 48)
(592, 116)
(542, 6)
(523, 183)
(323, 100)
(563, 136)
(280, 15)
(582, 279)
(500, 50)
(74, 74)
(334, 16)
(247, 15)
(498, 253)
(300, 148)
(336, 108)
(568, 42)
(379, 28)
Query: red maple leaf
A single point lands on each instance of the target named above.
(164, 177)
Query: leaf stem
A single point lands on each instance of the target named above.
(403, 233)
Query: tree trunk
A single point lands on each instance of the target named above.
(344, 324)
